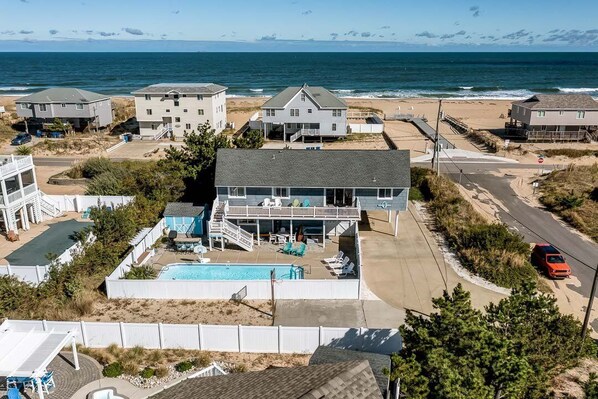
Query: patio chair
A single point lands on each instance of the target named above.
(301, 250)
(288, 248)
(277, 203)
(336, 259)
(345, 271)
(340, 264)
(266, 203)
(86, 214)
(48, 382)
(272, 238)
(281, 239)
(296, 203)
(306, 203)
(13, 393)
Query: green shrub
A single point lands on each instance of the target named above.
(201, 361)
(251, 139)
(147, 372)
(105, 184)
(569, 201)
(96, 166)
(183, 366)
(590, 387)
(415, 194)
(112, 370)
(238, 368)
(144, 272)
(23, 150)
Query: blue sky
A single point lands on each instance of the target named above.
(298, 25)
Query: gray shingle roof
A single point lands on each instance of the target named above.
(61, 95)
(310, 168)
(321, 96)
(378, 362)
(182, 88)
(576, 102)
(347, 380)
(183, 209)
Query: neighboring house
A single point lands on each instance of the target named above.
(171, 109)
(300, 112)
(79, 108)
(185, 218)
(345, 380)
(321, 192)
(21, 202)
(554, 117)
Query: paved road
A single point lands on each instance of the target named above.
(63, 161)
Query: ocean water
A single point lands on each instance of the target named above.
(368, 75)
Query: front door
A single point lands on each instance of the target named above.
(339, 196)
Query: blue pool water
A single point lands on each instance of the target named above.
(230, 271)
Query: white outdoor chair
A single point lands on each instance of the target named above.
(336, 259)
(277, 203)
(273, 239)
(266, 203)
(281, 239)
(345, 271)
(340, 264)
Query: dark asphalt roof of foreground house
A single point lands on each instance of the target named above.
(321, 96)
(378, 362)
(310, 168)
(62, 95)
(576, 102)
(347, 380)
(183, 209)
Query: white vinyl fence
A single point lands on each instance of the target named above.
(365, 128)
(222, 338)
(79, 203)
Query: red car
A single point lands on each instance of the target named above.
(550, 259)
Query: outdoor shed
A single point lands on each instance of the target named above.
(185, 218)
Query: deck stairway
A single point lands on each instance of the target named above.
(166, 129)
(48, 207)
(304, 133)
(220, 227)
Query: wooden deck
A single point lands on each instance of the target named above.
(309, 213)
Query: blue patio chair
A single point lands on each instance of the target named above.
(13, 393)
(301, 250)
(306, 203)
(86, 214)
(288, 248)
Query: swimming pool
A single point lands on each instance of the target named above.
(229, 271)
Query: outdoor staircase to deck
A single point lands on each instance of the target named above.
(219, 226)
(304, 133)
(166, 129)
(48, 207)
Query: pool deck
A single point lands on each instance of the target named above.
(267, 253)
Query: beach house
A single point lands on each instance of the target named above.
(304, 112)
(554, 117)
(303, 194)
(171, 109)
(79, 108)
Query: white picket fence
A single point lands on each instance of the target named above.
(222, 338)
(79, 203)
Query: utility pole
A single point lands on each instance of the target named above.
(436, 141)
(586, 319)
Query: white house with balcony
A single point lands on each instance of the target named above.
(304, 112)
(171, 109)
(21, 202)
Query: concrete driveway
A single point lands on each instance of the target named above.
(408, 271)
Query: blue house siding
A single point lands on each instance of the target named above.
(183, 224)
(368, 198)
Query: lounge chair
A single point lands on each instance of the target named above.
(288, 248)
(86, 214)
(336, 259)
(300, 251)
(277, 203)
(306, 203)
(296, 203)
(340, 264)
(266, 203)
(13, 393)
(345, 271)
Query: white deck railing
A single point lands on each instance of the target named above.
(14, 164)
(312, 212)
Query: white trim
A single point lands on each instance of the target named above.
(230, 195)
(288, 196)
(384, 198)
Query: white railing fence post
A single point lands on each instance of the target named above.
(240, 337)
(280, 339)
(200, 333)
(123, 338)
(161, 335)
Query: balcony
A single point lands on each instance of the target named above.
(9, 165)
(17, 195)
(296, 213)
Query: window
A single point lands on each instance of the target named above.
(561, 113)
(384, 193)
(165, 95)
(309, 111)
(188, 126)
(42, 107)
(176, 103)
(581, 114)
(334, 127)
(64, 105)
(24, 106)
(154, 127)
(270, 112)
(541, 114)
(148, 111)
(302, 96)
(177, 119)
(79, 107)
(294, 112)
(200, 112)
(200, 97)
(184, 110)
(148, 97)
(236, 192)
(176, 96)
(280, 192)
(337, 112)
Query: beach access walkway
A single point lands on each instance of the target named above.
(423, 127)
